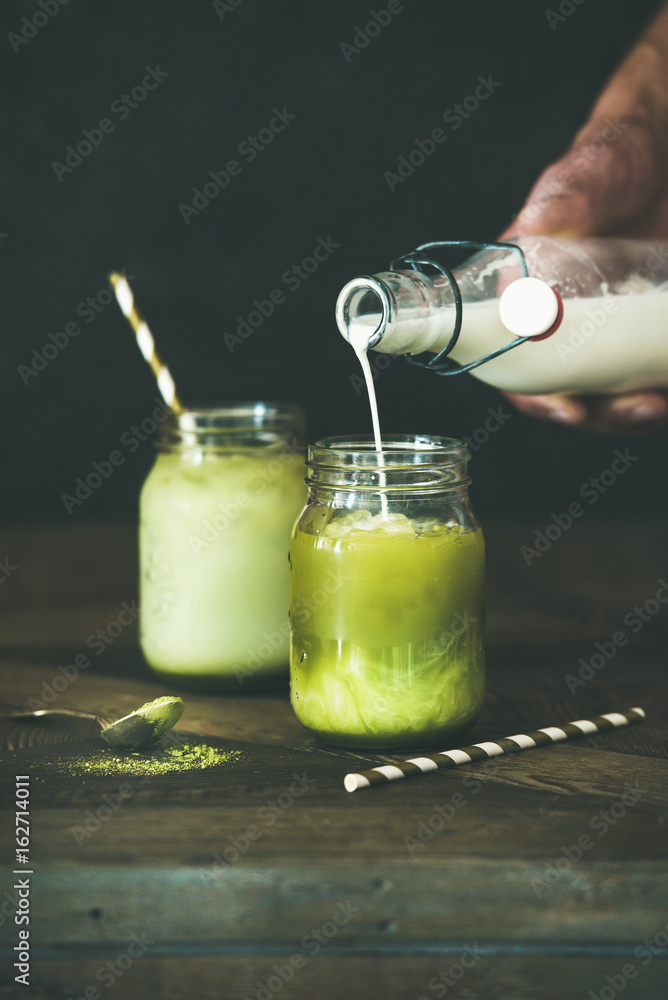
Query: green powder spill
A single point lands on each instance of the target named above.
(170, 760)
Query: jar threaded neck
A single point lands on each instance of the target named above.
(406, 462)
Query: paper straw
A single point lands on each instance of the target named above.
(145, 341)
(481, 751)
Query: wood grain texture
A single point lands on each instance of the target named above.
(239, 863)
(355, 977)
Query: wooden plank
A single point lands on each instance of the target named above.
(515, 977)
(495, 822)
(404, 905)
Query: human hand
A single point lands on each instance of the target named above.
(612, 181)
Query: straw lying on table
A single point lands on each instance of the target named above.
(481, 751)
(126, 301)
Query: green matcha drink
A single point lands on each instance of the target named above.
(216, 514)
(387, 604)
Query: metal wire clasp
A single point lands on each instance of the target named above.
(441, 363)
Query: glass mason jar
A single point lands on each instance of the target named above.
(386, 595)
(216, 513)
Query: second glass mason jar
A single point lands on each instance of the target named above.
(386, 595)
(216, 513)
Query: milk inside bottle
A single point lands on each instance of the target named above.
(604, 329)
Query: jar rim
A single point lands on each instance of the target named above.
(234, 424)
(236, 413)
(407, 462)
(396, 450)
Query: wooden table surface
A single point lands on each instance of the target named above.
(262, 877)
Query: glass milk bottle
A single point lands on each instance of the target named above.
(216, 513)
(540, 315)
(386, 595)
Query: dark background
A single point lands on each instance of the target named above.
(321, 177)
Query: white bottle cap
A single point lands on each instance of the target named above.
(529, 307)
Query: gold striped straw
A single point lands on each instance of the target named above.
(481, 751)
(145, 341)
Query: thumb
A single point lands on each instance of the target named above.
(610, 177)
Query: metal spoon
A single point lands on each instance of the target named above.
(141, 728)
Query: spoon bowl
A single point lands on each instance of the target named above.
(141, 728)
(146, 725)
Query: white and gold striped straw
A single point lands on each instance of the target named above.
(145, 341)
(481, 751)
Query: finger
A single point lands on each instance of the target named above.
(563, 409)
(605, 182)
(631, 413)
